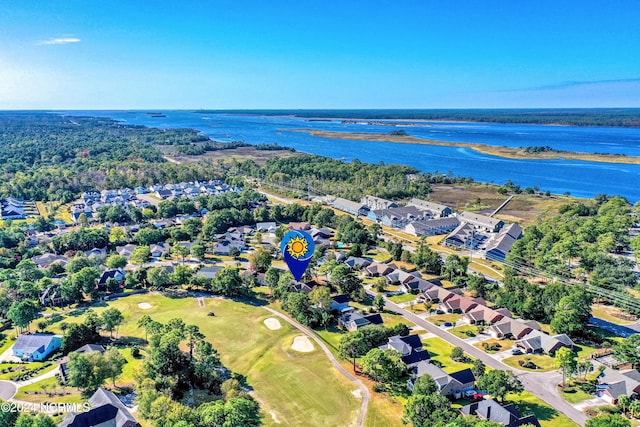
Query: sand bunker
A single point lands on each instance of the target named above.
(302, 343)
(144, 305)
(272, 323)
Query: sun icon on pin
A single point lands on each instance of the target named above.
(297, 247)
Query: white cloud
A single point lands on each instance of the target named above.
(60, 40)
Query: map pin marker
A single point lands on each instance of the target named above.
(297, 248)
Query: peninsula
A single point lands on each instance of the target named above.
(507, 152)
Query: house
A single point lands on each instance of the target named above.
(163, 194)
(410, 347)
(396, 217)
(464, 236)
(299, 226)
(340, 304)
(45, 260)
(209, 272)
(354, 208)
(36, 347)
(432, 227)
(352, 320)
(373, 202)
(117, 274)
(96, 252)
(378, 269)
(87, 348)
(415, 285)
(125, 250)
(483, 315)
(266, 227)
(51, 295)
(460, 304)
(507, 415)
(398, 276)
(106, 410)
(438, 294)
(436, 209)
(224, 247)
(159, 250)
(539, 342)
(357, 263)
(613, 383)
(500, 244)
(448, 384)
(486, 223)
(509, 328)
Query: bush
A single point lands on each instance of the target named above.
(469, 333)
(135, 351)
(379, 388)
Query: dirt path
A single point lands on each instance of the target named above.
(364, 392)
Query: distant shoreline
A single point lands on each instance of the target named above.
(505, 152)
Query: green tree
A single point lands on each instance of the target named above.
(116, 261)
(114, 363)
(87, 371)
(33, 420)
(457, 354)
(111, 319)
(353, 345)
(378, 303)
(87, 279)
(182, 275)
(499, 383)
(425, 385)
(117, 236)
(608, 420)
(144, 322)
(433, 410)
(22, 313)
(271, 278)
(158, 277)
(384, 366)
(198, 251)
(628, 350)
(260, 260)
(478, 368)
(180, 251)
(193, 335)
(140, 255)
(566, 360)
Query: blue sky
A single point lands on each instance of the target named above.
(119, 54)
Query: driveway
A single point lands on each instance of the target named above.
(7, 390)
(542, 385)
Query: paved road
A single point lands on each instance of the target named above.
(363, 389)
(8, 389)
(623, 331)
(542, 385)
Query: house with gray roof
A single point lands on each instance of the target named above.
(354, 208)
(432, 227)
(507, 415)
(509, 328)
(85, 349)
(36, 347)
(539, 342)
(352, 320)
(448, 384)
(483, 222)
(374, 202)
(499, 245)
(436, 209)
(464, 236)
(410, 347)
(106, 411)
(613, 383)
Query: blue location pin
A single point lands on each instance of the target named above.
(297, 248)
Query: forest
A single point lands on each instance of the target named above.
(55, 157)
(612, 117)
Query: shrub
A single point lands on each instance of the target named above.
(135, 351)
(378, 388)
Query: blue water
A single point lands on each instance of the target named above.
(579, 178)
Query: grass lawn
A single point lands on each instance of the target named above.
(545, 363)
(440, 350)
(465, 331)
(505, 344)
(527, 404)
(302, 389)
(439, 319)
(48, 390)
(23, 367)
(399, 299)
(575, 395)
(612, 314)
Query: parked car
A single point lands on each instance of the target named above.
(438, 311)
(516, 351)
(476, 397)
(448, 324)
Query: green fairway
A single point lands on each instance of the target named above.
(297, 389)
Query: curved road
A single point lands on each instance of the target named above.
(363, 389)
(542, 385)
